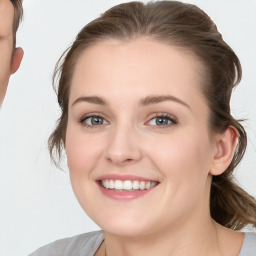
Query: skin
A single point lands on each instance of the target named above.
(10, 57)
(173, 218)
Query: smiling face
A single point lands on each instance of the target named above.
(136, 119)
(10, 57)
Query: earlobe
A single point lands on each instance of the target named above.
(225, 148)
(16, 59)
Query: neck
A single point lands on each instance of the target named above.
(186, 239)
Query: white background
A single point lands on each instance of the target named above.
(37, 202)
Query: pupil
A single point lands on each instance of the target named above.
(161, 121)
(97, 121)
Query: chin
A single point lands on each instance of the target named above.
(125, 230)
(127, 225)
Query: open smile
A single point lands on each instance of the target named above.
(125, 187)
(128, 185)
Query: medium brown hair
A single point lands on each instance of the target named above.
(18, 14)
(189, 28)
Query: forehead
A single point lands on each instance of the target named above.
(6, 18)
(139, 64)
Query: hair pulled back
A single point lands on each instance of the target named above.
(185, 26)
(18, 14)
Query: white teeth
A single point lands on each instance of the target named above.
(128, 184)
(135, 184)
(148, 185)
(118, 184)
(111, 184)
(142, 185)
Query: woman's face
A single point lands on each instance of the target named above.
(137, 140)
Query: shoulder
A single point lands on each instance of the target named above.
(78, 245)
(249, 245)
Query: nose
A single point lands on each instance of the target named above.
(123, 146)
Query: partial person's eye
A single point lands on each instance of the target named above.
(162, 121)
(93, 121)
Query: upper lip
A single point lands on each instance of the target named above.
(123, 177)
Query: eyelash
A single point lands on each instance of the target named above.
(84, 118)
(170, 118)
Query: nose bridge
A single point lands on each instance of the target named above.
(123, 145)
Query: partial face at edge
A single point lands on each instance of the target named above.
(10, 60)
(136, 109)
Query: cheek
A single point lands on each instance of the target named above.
(5, 67)
(6, 56)
(82, 151)
(183, 158)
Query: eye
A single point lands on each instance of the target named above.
(91, 121)
(164, 120)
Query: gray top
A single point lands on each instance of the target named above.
(87, 244)
(81, 245)
(249, 245)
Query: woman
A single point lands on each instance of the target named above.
(150, 142)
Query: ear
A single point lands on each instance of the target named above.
(225, 147)
(16, 59)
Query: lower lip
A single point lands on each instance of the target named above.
(124, 195)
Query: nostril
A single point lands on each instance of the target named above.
(128, 161)
(122, 161)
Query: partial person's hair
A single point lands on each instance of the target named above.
(18, 14)
(189, 28)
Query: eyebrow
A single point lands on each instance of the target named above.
(154, 99)
(91, 99)
(149, 100)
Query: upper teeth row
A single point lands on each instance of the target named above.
(128, 184)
